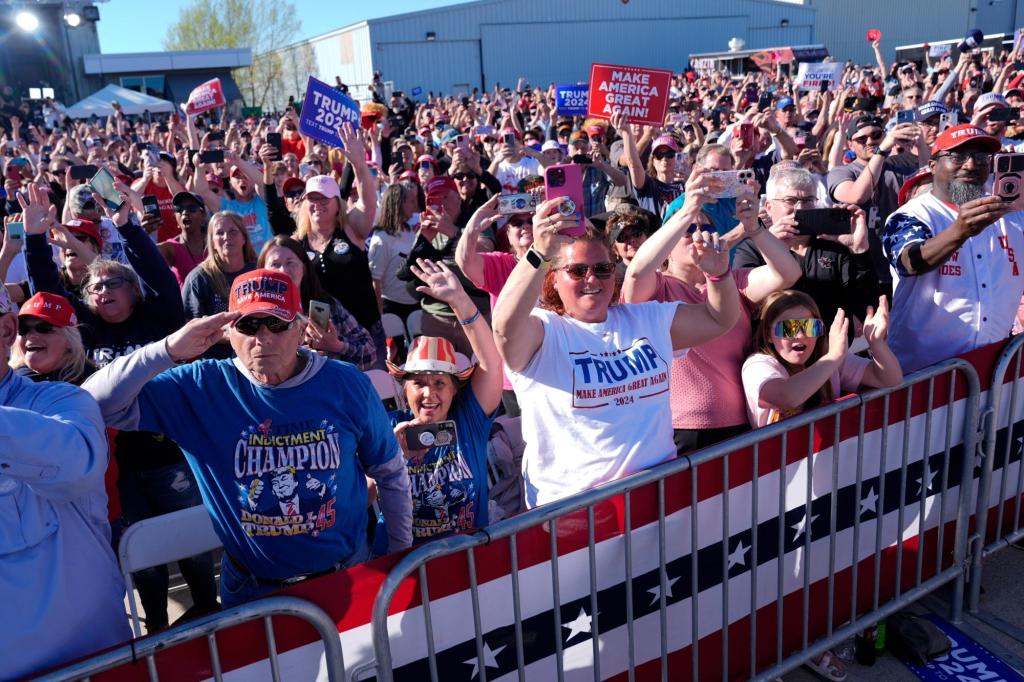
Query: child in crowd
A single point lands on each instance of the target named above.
(794, 368)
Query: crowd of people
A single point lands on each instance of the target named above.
(214, 321)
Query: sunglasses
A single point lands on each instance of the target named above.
(629, 234)
(874, 137)
(111, 284)
(520, 222)
(664, 154)
(190, 208)
(250, 326)
(579, 271)
(426, 165)
(812, 327)
(25, 328)
(461, 177)
(294, 195)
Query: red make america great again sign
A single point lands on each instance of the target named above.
(640, 93)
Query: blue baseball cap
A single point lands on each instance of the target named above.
(449, 135)
(785, 102)
(929, 109)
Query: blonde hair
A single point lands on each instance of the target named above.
(73, 367)
(212, 265)
(303, 223)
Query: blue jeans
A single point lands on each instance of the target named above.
(149, 493)
(235, 587)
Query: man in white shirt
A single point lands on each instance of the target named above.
(953, 256)
(514, 162)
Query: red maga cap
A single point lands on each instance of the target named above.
(439, 185)
(265, 291)
(86, 227)
(51, 308)
(951, 138)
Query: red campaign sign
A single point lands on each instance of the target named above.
(207, 96)
(642, 94)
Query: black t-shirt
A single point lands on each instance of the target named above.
(832, 276)
(344, 271)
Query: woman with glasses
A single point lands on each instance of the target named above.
(335, 238)
(794, 368)
(49, 344)
(184, 252)
(707, 399)
(662, 180)
(229, 254)
(281, 438)
(584, 366)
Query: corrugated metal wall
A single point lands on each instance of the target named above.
(843, 24)
(555, 41)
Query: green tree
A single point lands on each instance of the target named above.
(264, 26)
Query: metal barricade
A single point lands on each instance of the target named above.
(745, 452)
(207, 627)
(998, 445)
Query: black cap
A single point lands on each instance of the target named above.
(184, 197)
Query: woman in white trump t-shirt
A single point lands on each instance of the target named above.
(592, 376)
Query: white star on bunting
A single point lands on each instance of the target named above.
(490, 659)
(580, 625)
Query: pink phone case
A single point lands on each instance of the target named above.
(566, 181)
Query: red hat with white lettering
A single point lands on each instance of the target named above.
(951, 138)
(86, 228)
(265, 291)
(51, 308)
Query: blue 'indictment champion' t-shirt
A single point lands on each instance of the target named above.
(281, 470)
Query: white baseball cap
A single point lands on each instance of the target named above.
(323, 184)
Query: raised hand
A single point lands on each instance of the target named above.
(838, 345)
(438, 281)
(198, 335)
(37, 213)
(876, 322)
(708, 254)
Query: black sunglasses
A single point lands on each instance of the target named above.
(25, 327)
(250, 326)
(661, 154)
(111, 284)
(464, 176)
(521, 222)
(578, 271)
(188, 208)
(294, 195)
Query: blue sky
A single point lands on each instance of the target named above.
(140, 25)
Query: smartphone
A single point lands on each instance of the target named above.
(320, 314)
(83, 172)
(764, 102)
(12, 173)
(517, 203)
(747, 134)
(431, 435)
(216, 136)
(16, 230)
(141, 147)
(212, 156)
(461, 139)
(583, 159)
(191, 156)
(824, 85)
(46, 148)
(274, 140)
(1004, 114)
(161, 128)
(1009, 172)
(849, 103)
(818, 221)
(948, 120)
(509, 139)
(566, 181)
(152, 157)
(732, 183)
(150, 205)
(906, 116)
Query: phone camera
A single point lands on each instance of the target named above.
(556, 177)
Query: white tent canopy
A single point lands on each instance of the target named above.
(132, 102)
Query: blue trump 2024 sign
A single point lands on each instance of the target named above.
(571, 100)
(323, 112)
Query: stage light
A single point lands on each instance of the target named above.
(27, 21)
(73, 19)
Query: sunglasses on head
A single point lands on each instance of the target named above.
(250, 326)
(26, 327)
(812, 327)
(578, 271)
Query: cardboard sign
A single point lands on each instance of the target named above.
(206, 96)
(810, 76)
(641, 94)
(571, 100)
(323, 112)
(940, 51)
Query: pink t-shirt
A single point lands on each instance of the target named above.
(759, 369)
(498, 265)
(706, 388)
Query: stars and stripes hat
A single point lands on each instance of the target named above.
(430, 355)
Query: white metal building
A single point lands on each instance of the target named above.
(478, 44)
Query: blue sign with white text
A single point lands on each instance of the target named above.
(571, 100)
(323, 112)
(417, 91)
(967, 661)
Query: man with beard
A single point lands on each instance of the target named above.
(953, 256)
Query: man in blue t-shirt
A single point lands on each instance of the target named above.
(280, 439)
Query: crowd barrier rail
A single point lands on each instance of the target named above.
(998, 524)
(148, 648)
(815, 528)
(767, 527)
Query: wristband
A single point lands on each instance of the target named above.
(471, 319)
(718, 278)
